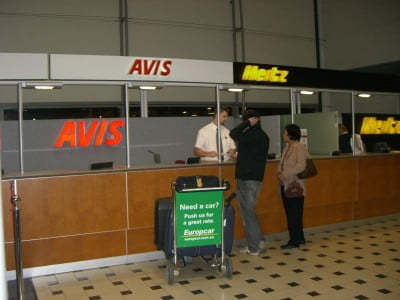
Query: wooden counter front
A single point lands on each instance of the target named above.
(144, 187)
(378, 186)
(66, 219)
(89, 216)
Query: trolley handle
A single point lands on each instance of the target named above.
(224, 185)
(218, 188)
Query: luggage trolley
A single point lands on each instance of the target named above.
(198, 219)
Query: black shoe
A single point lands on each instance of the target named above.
(302, 242)
(289, 246)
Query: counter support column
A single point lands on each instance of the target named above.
(15, 201)
(353, 122)
(3, 268)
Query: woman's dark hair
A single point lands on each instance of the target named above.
(293, 132)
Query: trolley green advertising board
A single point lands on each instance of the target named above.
(198, 218)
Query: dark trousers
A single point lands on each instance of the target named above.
(294, 217)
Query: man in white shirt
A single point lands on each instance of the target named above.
(206, 141)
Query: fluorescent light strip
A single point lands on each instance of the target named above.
(236, 90)
(364, 95)
(306, 92)
(44, 87)
(145, 87)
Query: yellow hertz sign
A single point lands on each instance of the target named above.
(371, 125)
(253, 73)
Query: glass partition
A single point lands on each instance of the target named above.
(73, 128)
(170, 140)
(9, 128)
(270, 104)
(341, 103)
(377, 122)
(84, 124)
(319, 131)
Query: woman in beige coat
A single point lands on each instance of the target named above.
(293, 162)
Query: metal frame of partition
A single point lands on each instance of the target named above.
(3, 276)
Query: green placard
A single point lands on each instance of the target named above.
(198, 218)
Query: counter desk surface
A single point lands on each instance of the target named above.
(67, 172)
(85, 215)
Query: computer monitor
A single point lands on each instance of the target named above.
(193, 160)
(101, 165)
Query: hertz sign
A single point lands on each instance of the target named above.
(370, 125)
(291, 76)
(255, 73)
(261, 74)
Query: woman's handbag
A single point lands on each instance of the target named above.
(294, 190)
(309, 171)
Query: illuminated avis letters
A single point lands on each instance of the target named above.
(97, 133)
(150, 67)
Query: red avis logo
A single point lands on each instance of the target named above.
(76, 134)
(150, 67)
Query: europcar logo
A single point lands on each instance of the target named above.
(97, 133)
(254, 73)
(150, 67)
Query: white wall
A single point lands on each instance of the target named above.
(359, 33)
(279, 32)
(384, 104)
(181, 28)
(355, 33)
(62, 26)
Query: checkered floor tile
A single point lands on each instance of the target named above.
(352, 262)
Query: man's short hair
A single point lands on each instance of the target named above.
(221, 110)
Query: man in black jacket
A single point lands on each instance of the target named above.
(253, 144)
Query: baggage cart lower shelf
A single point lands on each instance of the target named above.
(225, 267)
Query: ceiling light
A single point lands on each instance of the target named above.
(364, 95)
(45, 85)
(235, 90)
(147, 87)
(304, 92)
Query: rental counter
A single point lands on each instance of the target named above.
(77, 216)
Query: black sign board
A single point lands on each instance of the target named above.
(287, 76)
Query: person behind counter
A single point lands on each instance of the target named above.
(293, 161)
(253, 145)
(344, 139)
(207, 137)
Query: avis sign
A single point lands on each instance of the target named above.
(150, 67)
(97, 133)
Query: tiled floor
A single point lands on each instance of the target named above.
(353, 262)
